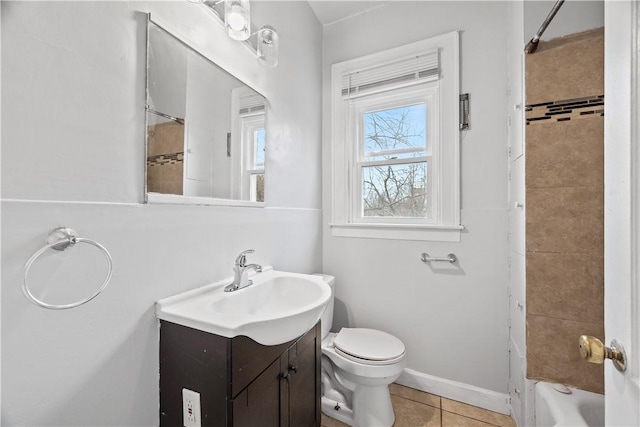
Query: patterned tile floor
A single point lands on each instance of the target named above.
(415, 408)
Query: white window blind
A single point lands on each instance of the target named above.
(251, 103)
(414, 69)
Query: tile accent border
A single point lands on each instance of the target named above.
(461, 392)
(163, 159)
(564, 110)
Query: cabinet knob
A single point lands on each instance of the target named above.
(293, 368)
(284, 376)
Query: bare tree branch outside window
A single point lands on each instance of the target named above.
(397, 189)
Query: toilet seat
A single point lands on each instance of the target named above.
(368, 346)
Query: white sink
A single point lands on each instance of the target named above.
(277, 308)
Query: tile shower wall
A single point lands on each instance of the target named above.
(565, 207)
(165, 158)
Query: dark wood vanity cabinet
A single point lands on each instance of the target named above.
(241, 382)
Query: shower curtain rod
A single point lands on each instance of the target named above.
(533, 43)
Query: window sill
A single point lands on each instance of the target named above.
(433, 233)
(174, 199)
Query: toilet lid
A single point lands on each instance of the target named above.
(369, 345)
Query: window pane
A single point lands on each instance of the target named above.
(257, 187)
(395, 190)
(258, 138)
(396, 133)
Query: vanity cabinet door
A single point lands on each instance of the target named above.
(259, 404)
(287, 393)
(304, 381)
(249, 359)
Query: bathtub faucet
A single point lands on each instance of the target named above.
(241, 272)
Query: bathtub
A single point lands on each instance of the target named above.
(579, 408)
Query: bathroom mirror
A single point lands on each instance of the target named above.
(205, 141)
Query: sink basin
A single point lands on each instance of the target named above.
(277, 308)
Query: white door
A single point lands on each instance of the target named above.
(622, 210)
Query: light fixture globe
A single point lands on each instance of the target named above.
(267, 48)
(236, 19)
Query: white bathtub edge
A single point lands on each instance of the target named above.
(556, 409)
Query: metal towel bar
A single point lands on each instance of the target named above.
(450, 258)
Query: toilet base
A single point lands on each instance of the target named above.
(372, 404)
(339, 411)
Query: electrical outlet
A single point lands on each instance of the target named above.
(190, 408)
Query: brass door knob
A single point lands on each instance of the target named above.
(593, 351)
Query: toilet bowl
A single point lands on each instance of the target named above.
(358, 364)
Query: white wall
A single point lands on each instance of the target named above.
(452, 321)
(207, 169)
(73, 154)
(573, 17)
(167, 74)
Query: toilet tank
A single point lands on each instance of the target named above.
(327, 317)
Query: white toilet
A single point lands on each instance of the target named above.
(357, 367)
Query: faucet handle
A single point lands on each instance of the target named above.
(241, 259)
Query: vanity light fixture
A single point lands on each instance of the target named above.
(237, 20)
(267, 46)
(237, 23)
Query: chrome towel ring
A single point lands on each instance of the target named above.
(60, 239)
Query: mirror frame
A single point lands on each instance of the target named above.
(176, 199)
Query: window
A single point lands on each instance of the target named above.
(248, 145)
(395, 156)
(395, 143)
(253, 140)
(257, 172)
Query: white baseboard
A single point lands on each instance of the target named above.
(466, 393)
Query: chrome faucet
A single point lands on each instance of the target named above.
(240, 272)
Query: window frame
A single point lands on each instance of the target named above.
(346, 199)
(241, 148)
(249, 124)
(425, 93)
